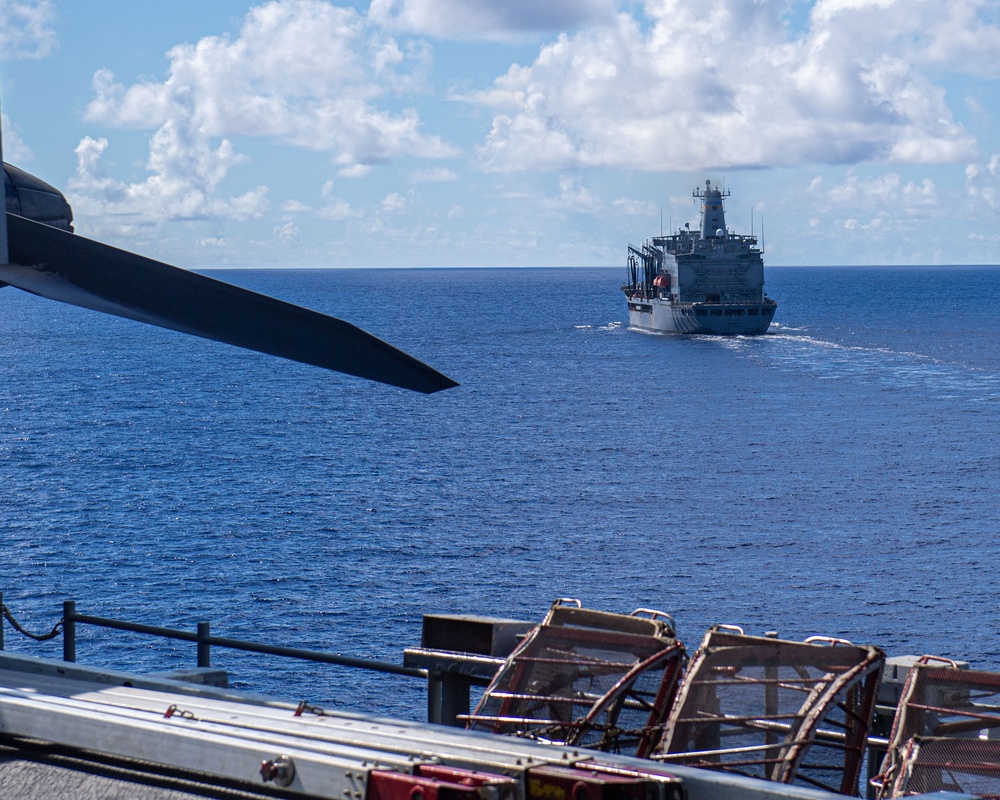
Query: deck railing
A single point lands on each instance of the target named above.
(202, 637)
(204, 640)
(449, 676)
(448, 680)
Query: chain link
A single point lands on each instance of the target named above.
(305, 707)
(176, 711)
(42, 637)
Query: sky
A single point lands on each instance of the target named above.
(454, 133)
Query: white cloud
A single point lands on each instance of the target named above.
(489, 20)
(729, 84)
(573, 198)
(305, 72)
(888, 191)
(435, 175)
(355, 171)
(287, 233)
(14, 148)
(957, 34)
(25, 29)
(976, 108)
(635, 208)
(392, 203)
(338, 210)
(888, 207)
(183, 186)
(982, 184)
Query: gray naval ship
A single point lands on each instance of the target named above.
(708, 281)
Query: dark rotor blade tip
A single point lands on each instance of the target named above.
(72, 269)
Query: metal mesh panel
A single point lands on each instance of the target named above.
(586, 678)
(941, 729)
(629, 719)
(793, 712)
(967, 766)
(946, 701)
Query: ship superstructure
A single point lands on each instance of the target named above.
(706, 281)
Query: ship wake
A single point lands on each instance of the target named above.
(895, 369)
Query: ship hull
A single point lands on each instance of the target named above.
(718, 319)
(707, 281)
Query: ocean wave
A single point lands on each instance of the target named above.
(897, 368)
(610, 327)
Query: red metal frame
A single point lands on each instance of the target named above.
(759, 706)
(616, 653)
(936, 733)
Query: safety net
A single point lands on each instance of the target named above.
(587, 678)
(792, 712)
(945, 733)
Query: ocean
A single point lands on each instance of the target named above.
(836, 476)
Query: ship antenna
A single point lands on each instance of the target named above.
(661, 221)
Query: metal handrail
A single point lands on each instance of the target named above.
(205, 641)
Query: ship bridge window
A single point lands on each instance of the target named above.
(734, 312)
(700, 312)
(716, 312)
(753, 312)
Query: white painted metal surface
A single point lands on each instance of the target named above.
(215, 734)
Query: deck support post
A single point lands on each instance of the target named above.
(69, 630)
(447, 697)
(204, 646)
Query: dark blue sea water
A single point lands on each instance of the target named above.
(838, 475)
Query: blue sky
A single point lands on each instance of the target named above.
(399, 133)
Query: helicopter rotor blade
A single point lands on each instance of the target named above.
(72, 269)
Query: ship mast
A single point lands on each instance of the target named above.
(713, 212)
